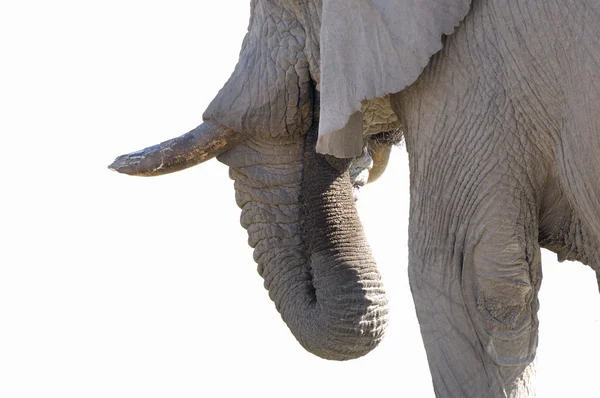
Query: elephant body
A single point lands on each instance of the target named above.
(503, 138)
(503, 146)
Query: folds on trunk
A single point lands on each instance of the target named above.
(299, 211)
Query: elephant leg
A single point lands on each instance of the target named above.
(475, 290)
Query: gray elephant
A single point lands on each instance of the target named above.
(497, 103)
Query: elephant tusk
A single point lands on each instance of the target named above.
(381, 156)
(199, 145)
(380, 147)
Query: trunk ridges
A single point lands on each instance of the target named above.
(309, 245)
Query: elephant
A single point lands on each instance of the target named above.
(495, 101)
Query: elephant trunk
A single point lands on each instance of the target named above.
(298, 209)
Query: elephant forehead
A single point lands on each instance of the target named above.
(269, 93)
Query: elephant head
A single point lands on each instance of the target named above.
(288, 95)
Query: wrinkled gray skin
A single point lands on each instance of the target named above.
(503, 136)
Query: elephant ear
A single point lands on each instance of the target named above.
(369, 49)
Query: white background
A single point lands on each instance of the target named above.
(113, 286)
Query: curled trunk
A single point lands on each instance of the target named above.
(298, 208)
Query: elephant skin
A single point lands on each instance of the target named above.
(497, 103)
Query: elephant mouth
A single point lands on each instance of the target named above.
(359, 173)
